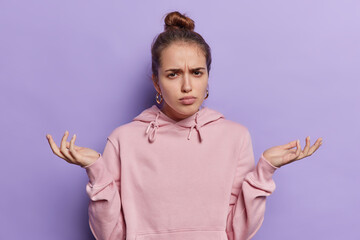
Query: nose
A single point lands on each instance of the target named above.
(186, 86)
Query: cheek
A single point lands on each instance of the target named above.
(169, 90)
(201, 83)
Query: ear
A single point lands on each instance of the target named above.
(155, 82)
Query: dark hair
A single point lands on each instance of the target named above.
(178, 27)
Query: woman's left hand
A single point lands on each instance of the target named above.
(284, 154)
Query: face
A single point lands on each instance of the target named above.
(183, 73)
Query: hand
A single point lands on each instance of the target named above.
(71, 153)
(284, 154)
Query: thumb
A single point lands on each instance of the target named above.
(290, 144)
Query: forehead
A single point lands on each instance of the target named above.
(180, 53)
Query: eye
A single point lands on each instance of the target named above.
(171, 75)
(197, 73)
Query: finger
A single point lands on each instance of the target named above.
(292, 151)
(63, 148)
(54, 147)
(294, 154)
(314, 147)
(75, 146)
(307, 146)
(289, 145)
(298, 148)
(291, 156)
(72, 150)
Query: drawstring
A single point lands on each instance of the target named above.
(197, 126)
(155, 126)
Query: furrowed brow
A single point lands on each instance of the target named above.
(173, 70)
(178, 69)
(198, 68)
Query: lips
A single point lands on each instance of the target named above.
(188, 97)
(188, 100)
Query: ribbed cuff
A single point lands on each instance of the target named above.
(92, 163)
(267, 161)
(262, 175)
(97, 172)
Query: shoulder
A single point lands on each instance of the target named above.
(233, 131)
(230, 127)
(239, 132)
(234, 126)
(123, 129)
(120, 132)
(228, 123)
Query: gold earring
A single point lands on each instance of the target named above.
(207, 94)
(157, 98)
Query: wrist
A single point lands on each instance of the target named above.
(92, 161)
(270, 160)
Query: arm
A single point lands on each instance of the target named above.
(105, 216)
(252, 184)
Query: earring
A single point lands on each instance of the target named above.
(207, 94)
(157, 98)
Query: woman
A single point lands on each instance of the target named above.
(192, 175)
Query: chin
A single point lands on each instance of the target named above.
(189, 109)
(185, 110)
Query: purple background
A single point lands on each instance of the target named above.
(284, 69)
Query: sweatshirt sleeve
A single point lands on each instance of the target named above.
(252, 184)
(105, 211)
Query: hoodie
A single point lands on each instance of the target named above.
(193, 179)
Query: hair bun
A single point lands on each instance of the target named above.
(176, 20)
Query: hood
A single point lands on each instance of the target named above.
(156, 119)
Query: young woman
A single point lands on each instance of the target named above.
(179, 171)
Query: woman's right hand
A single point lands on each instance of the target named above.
(73, 154)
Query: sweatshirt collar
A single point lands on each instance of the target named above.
(156, 119)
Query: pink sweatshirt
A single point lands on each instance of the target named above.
(194, 179)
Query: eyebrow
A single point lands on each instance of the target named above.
(178, 69)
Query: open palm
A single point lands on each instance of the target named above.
(72, 153)
(285, 154)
